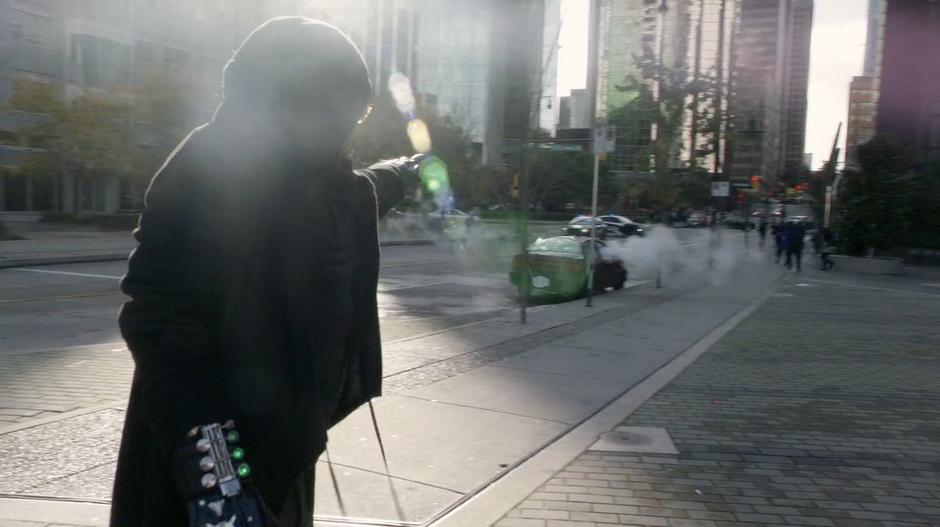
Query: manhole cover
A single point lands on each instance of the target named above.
(636, 439)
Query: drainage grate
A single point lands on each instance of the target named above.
(636, 439)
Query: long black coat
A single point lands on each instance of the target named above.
(253, 297)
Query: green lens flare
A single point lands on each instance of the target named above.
(244, 470)
(238, 454)
(232, 436)
(433, 173)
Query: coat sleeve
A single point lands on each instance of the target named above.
(388, 179)
(177, 386)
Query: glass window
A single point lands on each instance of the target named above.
(30, 28)
(565, 246)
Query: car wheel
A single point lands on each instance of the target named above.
(621, 281)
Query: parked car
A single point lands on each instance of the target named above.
(698, 219)
(558, 268)
(582, 225)
(622, 226)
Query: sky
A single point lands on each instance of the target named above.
(837, 54)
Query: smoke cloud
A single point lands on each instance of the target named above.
(706, 257)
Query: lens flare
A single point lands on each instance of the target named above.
(400, 87)
(419, 136)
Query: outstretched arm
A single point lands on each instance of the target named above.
(390, 179)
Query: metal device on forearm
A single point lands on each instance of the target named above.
(217, 461)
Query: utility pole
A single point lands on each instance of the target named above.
(592, 87)
(696, 72)
(719, 85)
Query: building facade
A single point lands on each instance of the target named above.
(909, 98)
(863, 90)
(671, 58)
(771, 80)
(488, 64)
(860, 126)
(70, 49)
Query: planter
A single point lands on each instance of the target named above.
(875, 265)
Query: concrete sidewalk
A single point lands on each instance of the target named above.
(464, 408)
(822, 408)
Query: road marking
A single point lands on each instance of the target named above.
(68, 273)
(928, 284)
(404, 287)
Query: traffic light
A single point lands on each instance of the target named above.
(755, 183)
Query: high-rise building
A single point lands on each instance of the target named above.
(909, 100)
(488, 64)
(863, 90)
(548, 99)
(860, 126)
(575, 110)
(771, 78)
(668, 58)
(873, 38)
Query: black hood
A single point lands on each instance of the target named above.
(296, 80)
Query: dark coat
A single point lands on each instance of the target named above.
(270, 320)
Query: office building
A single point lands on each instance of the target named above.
(860, 126)
(909, 99)
(771, 77)
(687, 42)
(71, 49)
(490, 65)
(873, 38)
(574, 110)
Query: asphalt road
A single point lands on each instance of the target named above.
(60, 347)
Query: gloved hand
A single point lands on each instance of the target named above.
(211, 473)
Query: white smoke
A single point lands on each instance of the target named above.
(706, 257)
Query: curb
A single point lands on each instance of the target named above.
(114, 257)
(46, 511)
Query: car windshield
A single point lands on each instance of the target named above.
(565, 246)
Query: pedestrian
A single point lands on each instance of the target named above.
(252, 317)
(779, 241)
(794, 232)
(827, 249)
(762, 230)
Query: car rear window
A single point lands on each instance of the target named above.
(556, 245)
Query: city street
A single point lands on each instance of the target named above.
(62, 350)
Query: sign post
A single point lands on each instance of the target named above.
(604, 143)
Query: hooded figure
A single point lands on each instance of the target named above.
(253, 287)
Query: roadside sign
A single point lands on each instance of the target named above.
(721, 189)
(605, 140)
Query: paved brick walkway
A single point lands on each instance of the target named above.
(82, 377)
(823, 408)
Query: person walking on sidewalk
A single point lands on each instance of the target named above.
(762, 230)
(780, 244)
(794, 232)
(252, 317)
(827, 247)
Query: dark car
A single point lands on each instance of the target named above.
(621, 226)
(582, 225)
(558, 268)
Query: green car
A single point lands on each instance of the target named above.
(558, 268)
